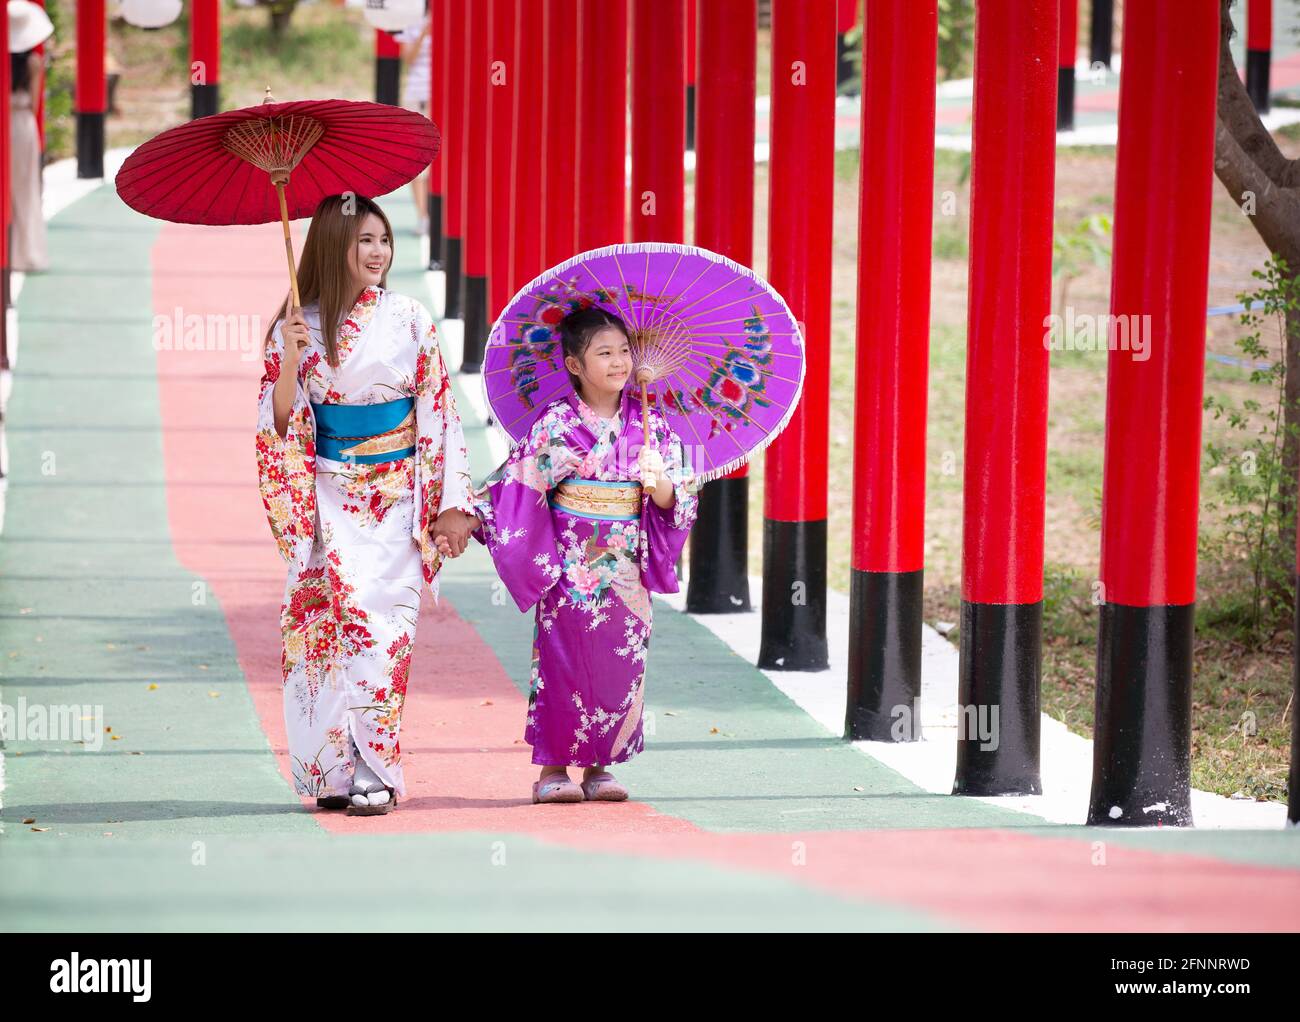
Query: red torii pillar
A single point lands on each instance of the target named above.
(895, 233)
(90, 95)
(476, 190)
(560, 105)
(658, 120)
(691, 23)
(454, 66)
(1259, 51)
(1151, 480)
(502, 85)
(800, 202)
(526, 248)
(1065, 54)
(724, 222)
(1011, 194)
(437, 113)
(1100, 26)
(846, 18)
(602, 123)
(388, 67)
(205, 57)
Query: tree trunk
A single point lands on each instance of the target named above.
(1256, 174)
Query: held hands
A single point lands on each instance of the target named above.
(451, 531)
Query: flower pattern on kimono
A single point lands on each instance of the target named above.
(286, 467)
(320, 622)
(374, 489)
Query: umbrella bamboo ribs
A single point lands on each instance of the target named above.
(276, 145)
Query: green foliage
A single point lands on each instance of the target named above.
(1069, 612)
(1259, 527)
(1085, 244)
(956, 38)
(956, 44)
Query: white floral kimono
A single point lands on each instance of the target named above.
(354, 531)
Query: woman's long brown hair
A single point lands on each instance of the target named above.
(323, 274)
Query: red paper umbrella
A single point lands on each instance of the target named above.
(215, 170)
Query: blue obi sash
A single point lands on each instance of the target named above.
(366, 434)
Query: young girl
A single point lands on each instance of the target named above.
(571, 530)
(360, 455)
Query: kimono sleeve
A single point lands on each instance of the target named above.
(286, 469)
(442, 474)
(664, 530)
(518, 525)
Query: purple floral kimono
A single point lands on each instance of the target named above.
(571, 532)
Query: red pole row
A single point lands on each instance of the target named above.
(205, 57)
(1011, 200)
(725, 85)
(1066, 51)
(90, 94)
(658, 120)
(800, 203)
(1259, 51)
(893, 347)
(437, 106)
(476, 172)
(1151, 478)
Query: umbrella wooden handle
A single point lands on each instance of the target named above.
(647, 481)
(288, 242)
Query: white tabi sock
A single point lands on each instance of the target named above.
(367, 787)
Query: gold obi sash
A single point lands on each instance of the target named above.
(613, 500)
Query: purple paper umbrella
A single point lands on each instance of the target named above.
(722, 352)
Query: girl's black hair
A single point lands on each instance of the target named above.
(578, 328)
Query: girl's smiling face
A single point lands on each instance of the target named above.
(372, 253)
(605, 366)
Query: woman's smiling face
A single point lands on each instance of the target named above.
(372, 253)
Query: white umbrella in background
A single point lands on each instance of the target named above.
(150, 13)
(393, 15)
(29, 26)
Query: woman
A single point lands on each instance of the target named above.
(29, 26)
(360, 455)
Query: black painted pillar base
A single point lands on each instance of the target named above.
(204, 100)
(720, 549)
(1257, 78)
(998, 699)
(884, 697)
(436, 240)
(1099, 42)
(451, 300)
(794, 597)
(1293, 783)
(388, 73)
(90, 145)
(1065, 99)
(690, 118)
(476, 324)
(1142, 738)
